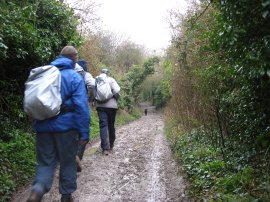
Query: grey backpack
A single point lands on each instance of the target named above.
(103, 89)
(42, 95)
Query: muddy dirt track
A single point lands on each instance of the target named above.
(140, 168)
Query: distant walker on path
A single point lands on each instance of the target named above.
(145, 112)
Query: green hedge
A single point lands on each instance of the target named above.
(17, 162)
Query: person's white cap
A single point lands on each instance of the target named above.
(105, 71)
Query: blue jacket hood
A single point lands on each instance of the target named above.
(63, 62)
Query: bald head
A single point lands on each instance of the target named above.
(70, 52)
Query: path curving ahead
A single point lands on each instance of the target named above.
(140, 168)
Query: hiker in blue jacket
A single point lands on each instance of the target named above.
(57, 138)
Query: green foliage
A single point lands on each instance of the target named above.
(17, 162)
(94, 125)
(263, 139)
(214, 178)
(33, 33)
(213, 166)
(242, 34)
(220, 99)
(149, 65)
(123, 117)
(157, 89)
(233, 182)
(131, 83)
(162, 94)
(7, 187)
(11, 113)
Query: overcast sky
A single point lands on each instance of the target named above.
(144, 22)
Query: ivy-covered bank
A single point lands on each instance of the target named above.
(218, 117)
(216, 174)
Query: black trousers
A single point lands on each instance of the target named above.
(106, 125)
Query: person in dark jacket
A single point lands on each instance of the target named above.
(57, 138)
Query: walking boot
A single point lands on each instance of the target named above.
(67, 198)
(105, 152)
(34, 197)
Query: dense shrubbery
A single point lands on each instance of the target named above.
(32, 34)
(220, 99)
(17, 162)
(132, 81)
(162, 91)
(156, 89)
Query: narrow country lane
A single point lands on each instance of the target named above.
(140, 168)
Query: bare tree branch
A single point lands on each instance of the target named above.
(86, 11)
